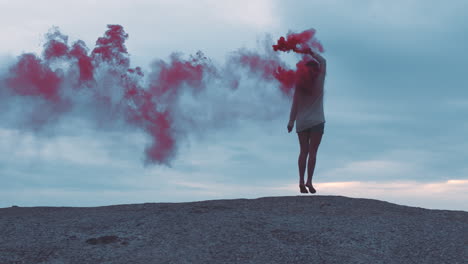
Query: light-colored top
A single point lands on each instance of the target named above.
(307, 110)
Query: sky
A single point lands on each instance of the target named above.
(396, 102)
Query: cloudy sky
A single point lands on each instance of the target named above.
(396, 105)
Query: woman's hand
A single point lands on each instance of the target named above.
(290, 126)
(318, 57)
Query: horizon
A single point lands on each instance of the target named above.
(231, 199)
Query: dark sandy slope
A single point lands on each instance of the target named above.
(294, 229)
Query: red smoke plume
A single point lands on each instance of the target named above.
(299, 42)
(56, 82)
(302, 43)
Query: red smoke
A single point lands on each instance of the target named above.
(271, 67)
(299, 42)
(111, 47)
(32, 77)
(56, 81)
(302, 43)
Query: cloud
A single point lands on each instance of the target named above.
(433, 162)
(155, 27)
(455, 104)
(450, 194)
(383, 169)
(258, 13)
(399, 14)
(359, 111)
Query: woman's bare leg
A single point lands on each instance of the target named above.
(304, 151)
(315, 139)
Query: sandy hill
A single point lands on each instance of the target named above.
(294, 229)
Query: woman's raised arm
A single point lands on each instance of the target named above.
(321, 60)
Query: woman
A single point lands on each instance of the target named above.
(307, 111)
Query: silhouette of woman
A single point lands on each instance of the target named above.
(307, 111)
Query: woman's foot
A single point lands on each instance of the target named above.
(311, 188)
(302, 188)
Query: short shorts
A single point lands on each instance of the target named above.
(317, 128)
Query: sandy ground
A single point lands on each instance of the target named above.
(291, 229)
